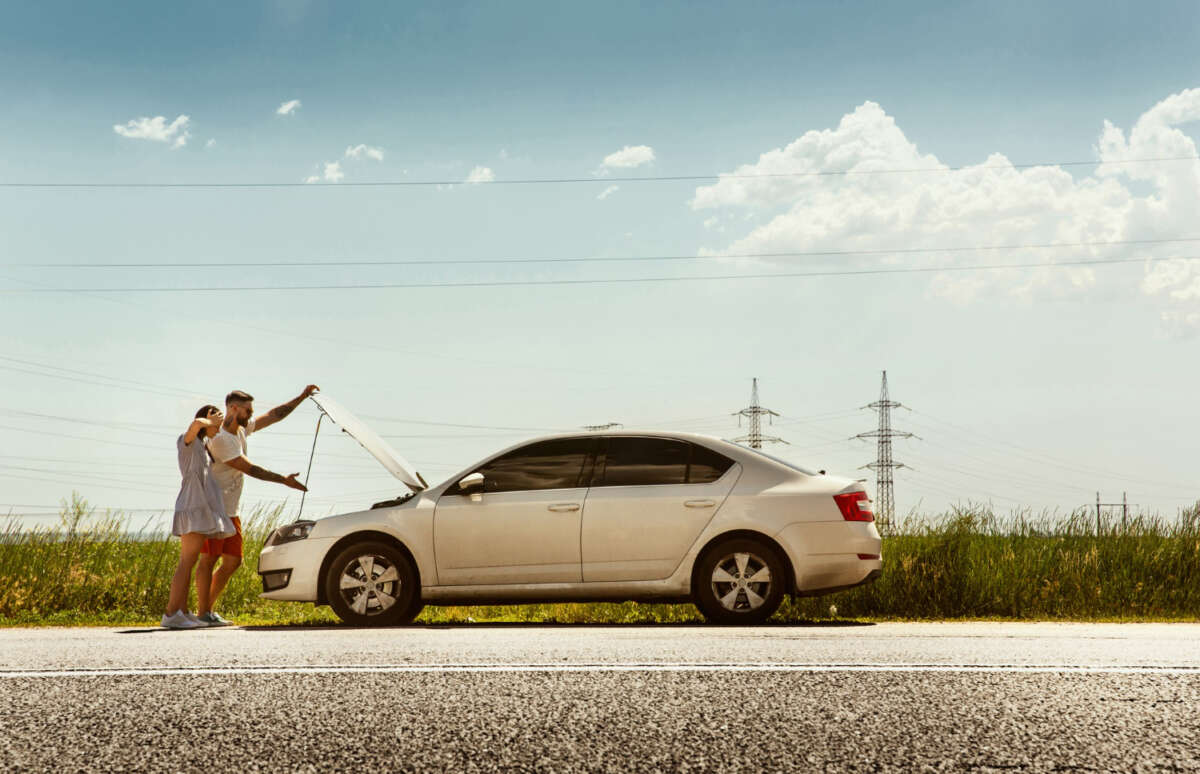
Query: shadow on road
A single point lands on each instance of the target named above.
(550, 625)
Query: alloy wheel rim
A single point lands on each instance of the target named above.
(369, 584)
(741, 582)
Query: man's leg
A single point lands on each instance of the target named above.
(228, 566)
(204, 583)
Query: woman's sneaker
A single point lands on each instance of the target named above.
(180, 620)
(213, 619)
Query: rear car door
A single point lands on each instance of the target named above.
(524, 527)
(650, 498)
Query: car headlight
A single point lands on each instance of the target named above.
(297, 530)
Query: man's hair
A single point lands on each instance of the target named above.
(237, 396)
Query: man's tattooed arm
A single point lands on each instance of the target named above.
(281, 411)
(262, 474)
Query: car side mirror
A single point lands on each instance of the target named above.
(471, 484)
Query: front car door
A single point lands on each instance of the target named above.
(649, 501)
(524, 527)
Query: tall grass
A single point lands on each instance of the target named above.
(92, 568)
(970, 563)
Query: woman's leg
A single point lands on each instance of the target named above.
(189, 549)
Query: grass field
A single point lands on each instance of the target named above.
(95, 569)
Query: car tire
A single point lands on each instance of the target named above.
(739, 581)
(373, 584)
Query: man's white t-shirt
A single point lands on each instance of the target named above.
(225, 447)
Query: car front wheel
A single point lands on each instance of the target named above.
(739, 581)
(373, 584)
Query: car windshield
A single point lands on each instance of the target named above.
(783, 462)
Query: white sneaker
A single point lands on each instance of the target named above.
(179, 620)
(200, 622)
(214, 619)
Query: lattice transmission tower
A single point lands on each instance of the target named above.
(754, 412)
(885, 503)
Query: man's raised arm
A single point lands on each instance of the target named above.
(264, 421)
(262, 474)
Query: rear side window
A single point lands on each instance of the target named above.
(556, 464)
(706, 465)
(632, 461)
(644, 461)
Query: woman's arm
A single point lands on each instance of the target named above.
(212, 423)
(194, 429)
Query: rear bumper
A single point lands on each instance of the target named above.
(830, 556)
(872, 576)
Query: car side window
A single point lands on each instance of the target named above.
(555, 464)
(632, 461)
(706, 465)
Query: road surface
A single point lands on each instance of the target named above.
(951, 696)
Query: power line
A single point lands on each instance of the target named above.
(453, 424)
(602, 180)
(1041, 458)
(609, 281)
(337, 263)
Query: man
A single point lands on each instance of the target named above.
(230, 467)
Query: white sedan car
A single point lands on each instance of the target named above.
(600, 516)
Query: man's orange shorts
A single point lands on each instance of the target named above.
(231, 546)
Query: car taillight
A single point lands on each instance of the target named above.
(855, 506)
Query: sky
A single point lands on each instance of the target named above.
(876, 158)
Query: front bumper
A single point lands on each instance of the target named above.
(301, 559)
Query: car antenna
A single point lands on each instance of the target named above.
(311, 454)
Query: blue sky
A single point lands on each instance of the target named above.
(1029, 387)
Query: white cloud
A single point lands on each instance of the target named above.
(989, 203)
(364, 151)
(628, 157)
(607, 192)
(333, 172)
(481, 175)
(212, 142)
(313, 179)
(157, 129)
(288, 108)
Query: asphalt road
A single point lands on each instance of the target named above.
(987, 697)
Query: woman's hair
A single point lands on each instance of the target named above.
(203, 413)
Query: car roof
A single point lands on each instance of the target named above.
(629, 432)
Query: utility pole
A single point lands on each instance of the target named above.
(754, 412)
(885, 508)
(1124, 506)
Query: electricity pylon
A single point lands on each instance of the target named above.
(885, 504)
(754, 412)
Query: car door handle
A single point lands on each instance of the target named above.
(562, 507)
(699, 503)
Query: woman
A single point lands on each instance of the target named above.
(199, 513)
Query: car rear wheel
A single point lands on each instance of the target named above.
(739, 581)
(373, 584)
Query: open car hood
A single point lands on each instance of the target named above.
(379, 448)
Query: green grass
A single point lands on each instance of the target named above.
(91, 569)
